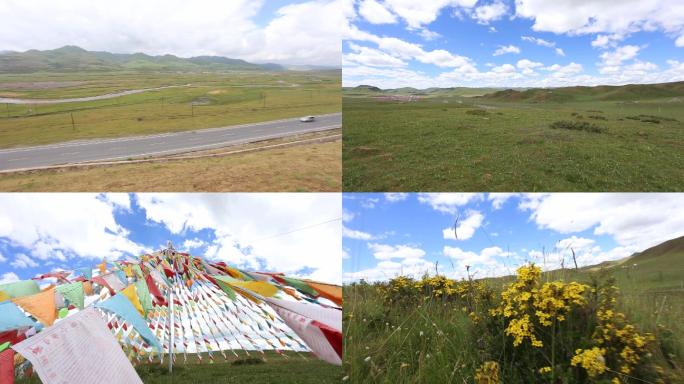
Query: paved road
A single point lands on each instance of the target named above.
(163, 144)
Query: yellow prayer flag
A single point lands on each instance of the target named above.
(132, 296)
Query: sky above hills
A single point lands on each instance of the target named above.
(277, 31)
(298, 234)
(505, 43)
(386, 235)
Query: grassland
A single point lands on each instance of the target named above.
(296, 368)
(308, 167)
(451, 142)
(436, 341)
(203, 100)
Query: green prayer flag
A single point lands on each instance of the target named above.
(300, 285)
(20, 288)
(144, 295)
(72, 292)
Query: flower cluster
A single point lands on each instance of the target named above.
(487, 373)
(527, 304)
(624, 346)
(592, 360)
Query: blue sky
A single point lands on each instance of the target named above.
(390, 234)
(281, 31)
(502, 43)
(299, 234)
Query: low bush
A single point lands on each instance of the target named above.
(578, 126)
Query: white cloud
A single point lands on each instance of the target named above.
(51, 226)
(488, 262)
(417, 14)
(9, 277)
(285, 231)
(543, 43)
(504, 49)
(23, 261)
(499, 198)
(347, 216)
(490, 12)
(356, 235)
(635, 221)
(599, 16)
(620, 54)
(376, 13)
(394, 197)
(388, 252)
(193, 243)
(301, 33)
(428, 34)
(448, 202)
(466, 227)
(2, 258)
(373, 57)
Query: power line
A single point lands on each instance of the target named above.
(296, 230)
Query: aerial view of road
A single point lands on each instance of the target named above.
(162, 144)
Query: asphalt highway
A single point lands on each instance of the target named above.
(155, 145)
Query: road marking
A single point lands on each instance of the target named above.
(17, 159)
(69, 153)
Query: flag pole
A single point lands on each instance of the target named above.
(171, 328)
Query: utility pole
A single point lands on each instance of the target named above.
(192, 107)
(7, 104)
(73, 124)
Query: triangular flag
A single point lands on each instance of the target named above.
(132, 296)
(72, 292)
(41, 305)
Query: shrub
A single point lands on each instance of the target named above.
(477, 112)
(577, 126)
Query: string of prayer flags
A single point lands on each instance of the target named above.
(120, 305)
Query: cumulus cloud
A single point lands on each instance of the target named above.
(356, 235)
(465, 228)
(290, 233)
(635, 221)
(504, 49)
(376, 13)
(9, 277)
(448, 202)
(490, 12)
(57, 226)
(23, 261)
(394, 197)
(402, 251)
(203, 27)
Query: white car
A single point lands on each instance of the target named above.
(307, 119)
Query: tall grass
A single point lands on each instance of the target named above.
(429, 338)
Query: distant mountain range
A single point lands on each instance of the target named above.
(601, 92)
(666, 256)
(76, 59)
(628, 92)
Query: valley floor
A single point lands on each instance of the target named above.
(472, 144)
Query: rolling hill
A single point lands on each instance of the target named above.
(75, 59)
(630, 92)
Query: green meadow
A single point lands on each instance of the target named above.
(569, 139)
(395, 333)
(202, 99)
(291, 368)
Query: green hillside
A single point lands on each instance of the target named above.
(76, 59)
(630, 92)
